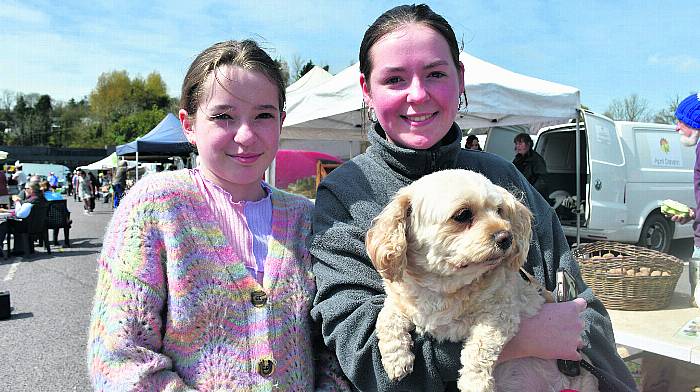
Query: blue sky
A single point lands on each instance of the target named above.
(607, 49)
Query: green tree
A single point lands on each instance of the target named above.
(155, 86)
(73, 118)
(43, 121)
(130, 127)
(18, 134)
(89, 135)
(149, 93)
(111, 98)
(284, 69)
(305, 69)
(116, 95)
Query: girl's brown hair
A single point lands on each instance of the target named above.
(244, 54)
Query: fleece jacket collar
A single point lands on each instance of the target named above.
(411, 164)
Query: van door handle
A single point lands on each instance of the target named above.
(597, 184)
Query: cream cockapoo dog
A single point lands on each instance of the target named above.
(449, 247)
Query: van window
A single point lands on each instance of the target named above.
(558, 148)
(500, 140)
(602, 134)
(662, 149)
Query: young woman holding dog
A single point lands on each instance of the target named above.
(412, 81)
(204, 280)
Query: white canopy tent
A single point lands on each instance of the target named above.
(109, 162)
(311, 79)
(497, 97)
(305, 138)
(316, 117)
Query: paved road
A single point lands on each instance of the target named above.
(42, 347)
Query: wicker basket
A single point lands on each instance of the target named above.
(620, 275)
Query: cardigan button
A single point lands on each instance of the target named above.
(258, 298)
(266, 367)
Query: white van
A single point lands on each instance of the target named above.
(627, 169)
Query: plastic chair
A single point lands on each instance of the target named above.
(33, 226)
(58, 218)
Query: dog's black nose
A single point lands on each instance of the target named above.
(503, 239)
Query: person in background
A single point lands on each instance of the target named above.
(412, 80)
(4, 191)
(22, 209)
(530, 163)
(49, 192)
(22, 195)
(103, 190)
(53, 180)
(472, 143)
(76, 183)
(19, 176)
(205, 280)
(95, 189)
(85, 192)
(69, 184)
(34, 196)
(119, 182)
(688, 126)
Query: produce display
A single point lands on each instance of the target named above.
(640, 271)
(672, 207)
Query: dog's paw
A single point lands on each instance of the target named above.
(476, 384)
(398, 366)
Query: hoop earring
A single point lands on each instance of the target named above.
(371, 115)
(463, 103)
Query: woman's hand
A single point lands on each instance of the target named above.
(553, 333)
(683, 219)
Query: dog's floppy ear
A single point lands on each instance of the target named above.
(520, 219)
(386, 239)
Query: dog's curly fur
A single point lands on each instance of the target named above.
(449, 247)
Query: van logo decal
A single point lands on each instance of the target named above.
(664, 151)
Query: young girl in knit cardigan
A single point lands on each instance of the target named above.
(205, 280)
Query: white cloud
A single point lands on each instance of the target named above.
(16, 12)
(680, 63)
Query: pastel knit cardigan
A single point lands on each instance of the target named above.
(172, 308)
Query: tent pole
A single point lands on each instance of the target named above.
(137, 165)
(270, 172)
(579, 116)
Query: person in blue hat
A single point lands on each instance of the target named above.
(688, 126)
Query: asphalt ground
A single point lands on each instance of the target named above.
(43, 344)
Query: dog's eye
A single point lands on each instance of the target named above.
(464, 216)
(499, 211)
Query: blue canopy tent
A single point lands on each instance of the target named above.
(165, 139)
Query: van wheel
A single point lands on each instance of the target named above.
(657, 233)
